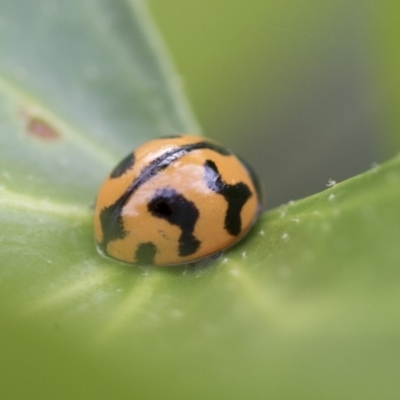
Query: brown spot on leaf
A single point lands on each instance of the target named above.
(41, 129)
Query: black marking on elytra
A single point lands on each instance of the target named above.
(111, 220)
(111, 224)
(170, 137)
(145, 253)
(236, 196)
(123, 166)
(167, 158)
(172, 206)
(256, 182)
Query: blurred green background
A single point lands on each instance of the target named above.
(299, 88)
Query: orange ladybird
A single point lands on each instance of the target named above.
(175, 200)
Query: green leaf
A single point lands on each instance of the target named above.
(81, 83)
(304, 307)
(385, 56)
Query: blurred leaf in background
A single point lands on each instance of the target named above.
(384, 57)
(294, 86)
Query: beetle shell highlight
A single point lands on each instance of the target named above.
(175, 200)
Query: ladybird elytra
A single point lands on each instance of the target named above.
(175, 200)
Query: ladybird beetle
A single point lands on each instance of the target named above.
(175, 200)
